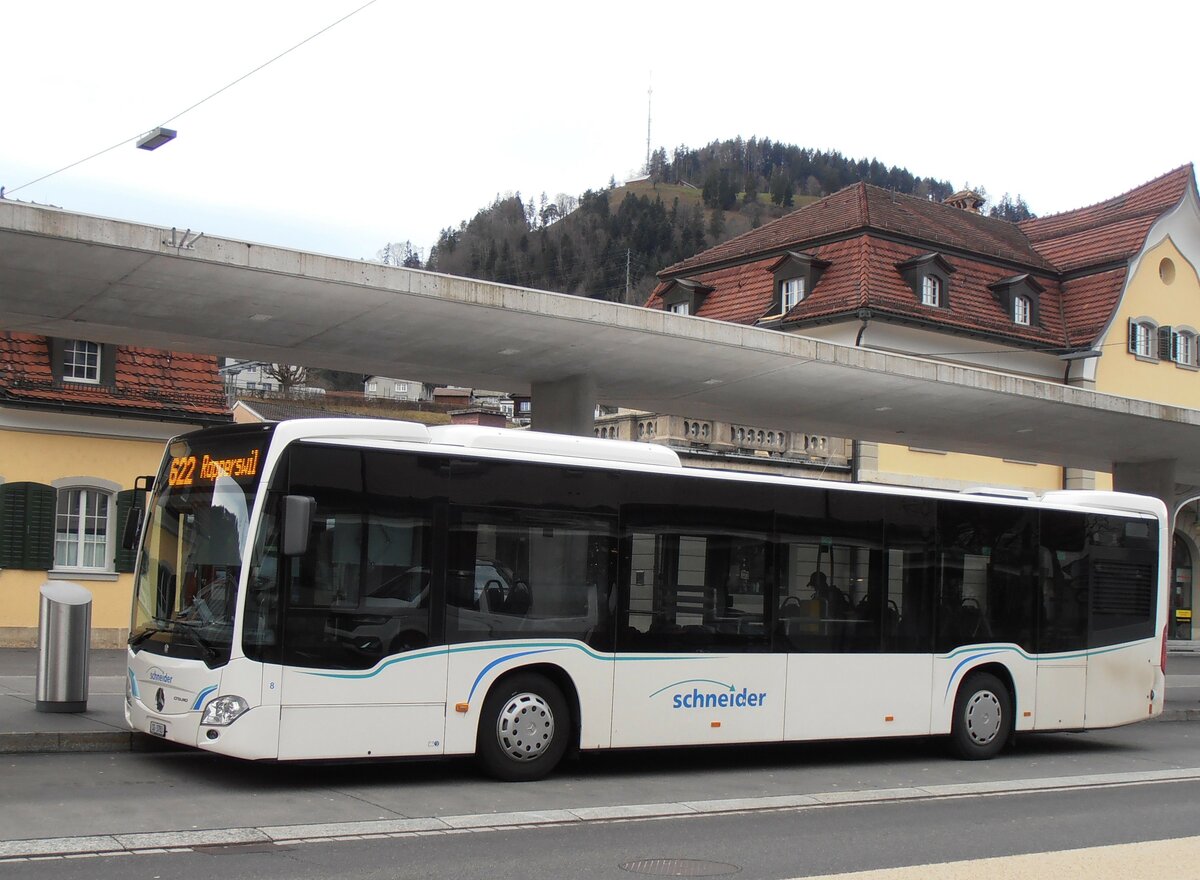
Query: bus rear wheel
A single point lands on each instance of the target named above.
(982, 717)
(524, 728)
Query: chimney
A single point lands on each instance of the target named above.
(967, 200)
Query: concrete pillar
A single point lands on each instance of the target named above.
(1156, 478)
(567, 406)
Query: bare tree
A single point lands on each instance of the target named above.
(288, 377)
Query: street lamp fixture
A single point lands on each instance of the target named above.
(154, 139)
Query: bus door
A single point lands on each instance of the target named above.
(694, 662)
(359, 675)
(854, 613)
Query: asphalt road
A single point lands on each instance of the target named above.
(754, 846)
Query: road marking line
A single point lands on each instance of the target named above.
(1151, 858)
(182, 841)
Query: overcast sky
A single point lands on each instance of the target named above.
(408, 117)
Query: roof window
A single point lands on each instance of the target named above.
(683, 296)
(928, 276)
(1019, 296)
(794, 276)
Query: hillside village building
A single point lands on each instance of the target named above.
(1105, 297)
(79, 423)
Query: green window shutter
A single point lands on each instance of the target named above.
(27, 526)
(130, 502)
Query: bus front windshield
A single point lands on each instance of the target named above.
(193, 545)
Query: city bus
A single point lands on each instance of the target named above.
(343, 589)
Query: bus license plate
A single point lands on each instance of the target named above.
(158, 728)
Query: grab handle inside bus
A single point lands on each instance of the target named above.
(297, 521)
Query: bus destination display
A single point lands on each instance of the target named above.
(191, 470)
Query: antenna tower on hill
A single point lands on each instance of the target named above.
(649, 97)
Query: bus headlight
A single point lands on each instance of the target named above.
(224, 711)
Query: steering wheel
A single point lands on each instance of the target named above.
(790, 600)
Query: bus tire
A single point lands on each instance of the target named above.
(982, 717)
(524, 728)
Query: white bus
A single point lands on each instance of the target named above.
(346, 588)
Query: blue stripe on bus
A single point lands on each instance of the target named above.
(133, 685)
(200, 696)
(497, 662)
(1040, 658)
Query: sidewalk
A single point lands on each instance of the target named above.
(102, 727)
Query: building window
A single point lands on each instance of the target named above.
(81, 361)
(792, 293)
(524, 406)
(1143, 339)
(81, 529)
(680, 308)
(1022, 309)
(1183, 348)
(402, 388)
(931, 291)
(372, 387)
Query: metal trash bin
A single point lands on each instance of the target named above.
(64, 641)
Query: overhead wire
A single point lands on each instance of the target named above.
(204, 100)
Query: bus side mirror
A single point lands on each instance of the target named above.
(137, 514)
(133, 529)
(297, 521)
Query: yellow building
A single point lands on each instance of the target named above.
(1105, 297)
(79, 423)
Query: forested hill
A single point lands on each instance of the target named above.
(609, 243)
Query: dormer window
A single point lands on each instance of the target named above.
(928, 276)
(81, 361)
(795, 276)
(682, 296)
(1022, 309)
(931, 291)
(1018, 296)
(791, 292)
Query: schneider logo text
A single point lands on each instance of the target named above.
(697, 699)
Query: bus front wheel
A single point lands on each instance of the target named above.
(524, 728)
(982, 717)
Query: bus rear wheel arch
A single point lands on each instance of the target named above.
(525, 728)
(983, 717)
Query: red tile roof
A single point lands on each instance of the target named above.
(1110, 231)
(864, 232)
(147, 382)
(863, 207)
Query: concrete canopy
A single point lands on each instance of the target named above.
(71, 275)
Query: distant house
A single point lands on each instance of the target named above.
(384, 387)
(80, 421)
(256, 377)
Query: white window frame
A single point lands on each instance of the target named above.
(931, 291)
(680, 308)
(1145, 339)
(791, 292)
(104, 494)
(81, 362)
(1183, 347)
(1022, 310)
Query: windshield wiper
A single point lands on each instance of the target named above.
(134, 641)
(198, 640)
